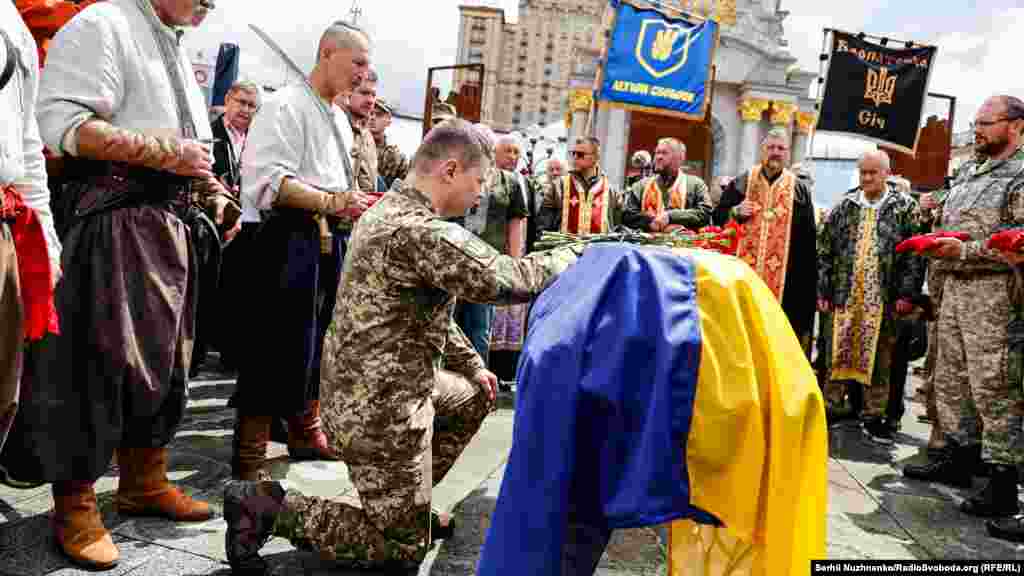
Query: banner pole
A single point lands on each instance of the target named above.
(821, 85)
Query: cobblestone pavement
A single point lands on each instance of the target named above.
(873, 511)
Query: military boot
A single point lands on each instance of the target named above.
(948, 467)
(999, 496)
(1010, 528)
(250, 509)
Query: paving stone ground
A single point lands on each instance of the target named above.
(873, 512)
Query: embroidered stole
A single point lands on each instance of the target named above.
(766, 236)
(584, 212)
(857, 327)
(653, 203)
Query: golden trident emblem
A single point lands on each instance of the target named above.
(880, 86)
(663, 42)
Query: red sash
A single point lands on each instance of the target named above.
(584, 212)
(653, 204)
(34, 272)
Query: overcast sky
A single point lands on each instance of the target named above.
(979, 48)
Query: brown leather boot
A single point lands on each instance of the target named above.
(144, 490)
(306, 439)
(78, 529)
(249, 447)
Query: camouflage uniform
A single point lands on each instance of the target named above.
(364, 156)
(391, 163)
(979, 296)
(397, 420)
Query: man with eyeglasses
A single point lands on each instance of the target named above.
(230, 130)
(583, 201)
(978, 358)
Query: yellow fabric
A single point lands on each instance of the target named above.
(757, 450)
(856, 328)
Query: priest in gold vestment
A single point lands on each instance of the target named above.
(779, 237)
(868, 287)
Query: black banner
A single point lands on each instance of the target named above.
(876, 92)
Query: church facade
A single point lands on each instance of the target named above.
(544, 68)
(757, 86)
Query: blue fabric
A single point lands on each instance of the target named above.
(476, 320)
(606, 384)
(226, 73)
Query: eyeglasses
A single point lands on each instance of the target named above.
(987, 123)
(578, 154)
(247, 104)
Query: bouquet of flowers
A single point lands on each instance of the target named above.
(710, 238)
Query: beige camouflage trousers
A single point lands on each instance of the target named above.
(971, 366)
(12, 338)
(390, 523)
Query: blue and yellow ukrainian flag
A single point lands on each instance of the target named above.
(664, 387)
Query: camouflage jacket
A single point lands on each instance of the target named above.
(899, 275)
(391, 163)
(986, 197)
(364, 157)
(695, 215)
(393, 323)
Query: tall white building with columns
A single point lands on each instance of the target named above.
(758, 84)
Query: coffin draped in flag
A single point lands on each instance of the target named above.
(658, 63)
(657, 387)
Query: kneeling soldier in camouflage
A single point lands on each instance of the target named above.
(398, 421)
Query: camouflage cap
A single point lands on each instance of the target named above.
(442, 111)
(382, 104)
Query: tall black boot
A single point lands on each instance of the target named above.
(1009, 528)
(949, 467)
(998, 498)
(250, 509)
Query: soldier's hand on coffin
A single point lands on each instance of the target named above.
(747, 208)
(194, 159)
(946, 248)
(904, 307)
(824, 305)
(487, 382)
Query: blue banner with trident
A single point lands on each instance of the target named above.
(658, 63)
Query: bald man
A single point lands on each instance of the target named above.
(297, 168)
(671, 197)
(868, 288)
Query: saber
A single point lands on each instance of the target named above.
(280, 53)
(326, 238)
